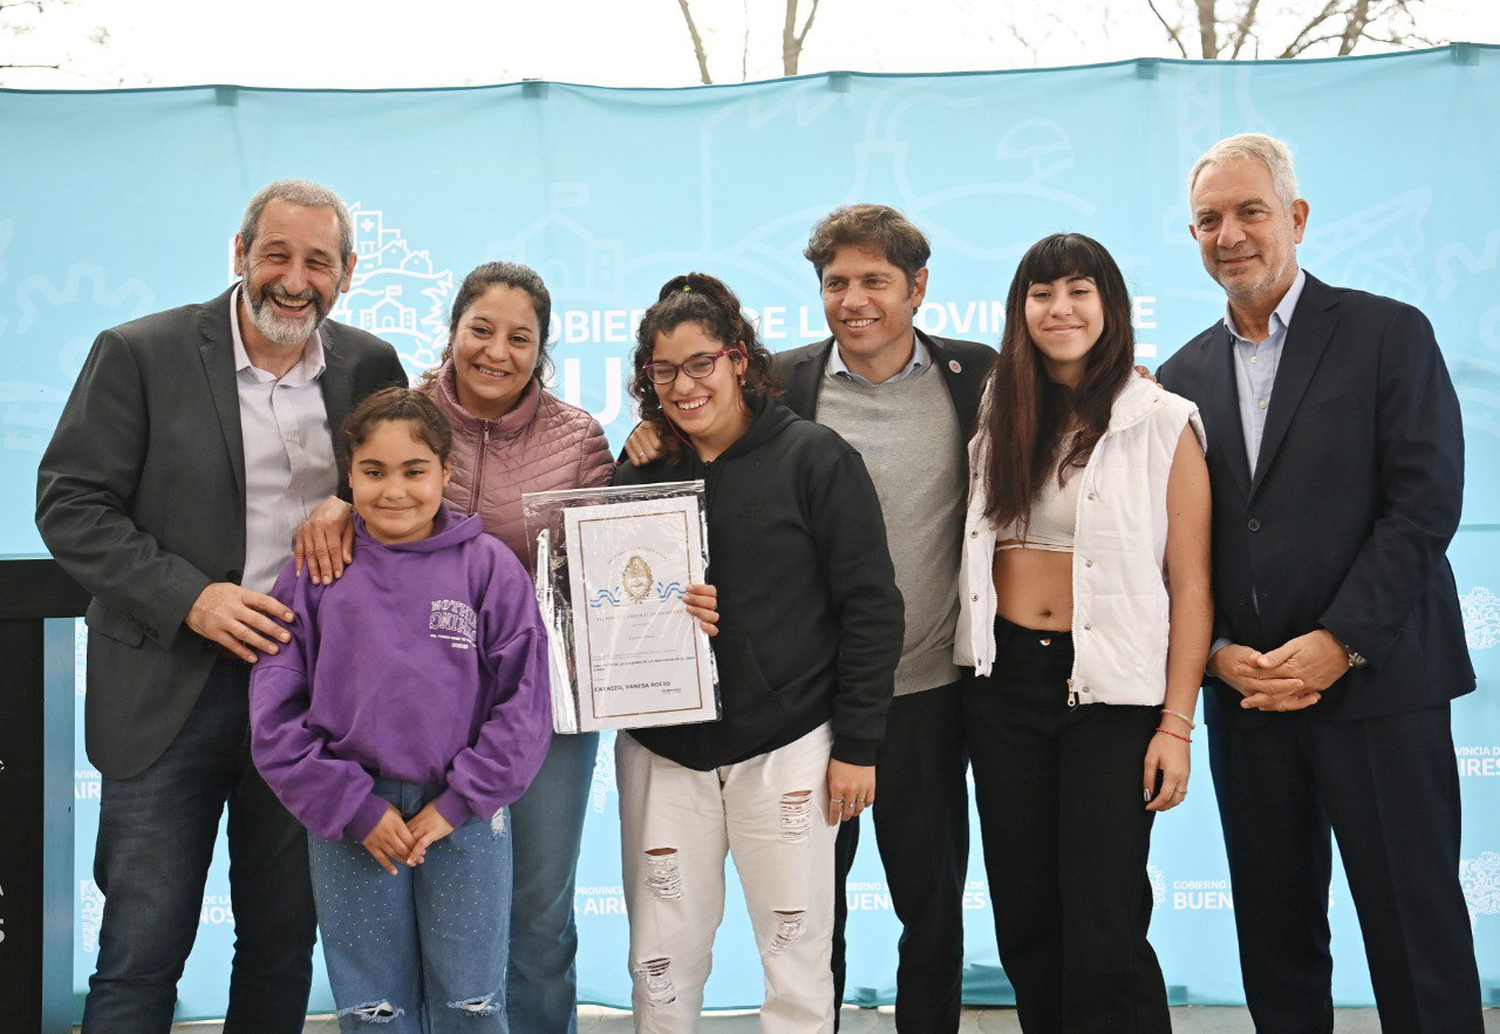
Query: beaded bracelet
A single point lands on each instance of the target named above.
(1178, 714)
(1169, 732)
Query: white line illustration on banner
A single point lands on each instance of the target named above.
(1158, 885)
(603, 785)
(1456, 253)
(396, 293)
(86, 282)
(1481, 610)
(1480, 879)
(90, 913)
(1374, 249)
(66, 318)
(582, 270)
(80, 656)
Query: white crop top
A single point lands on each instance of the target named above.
(1054, 516)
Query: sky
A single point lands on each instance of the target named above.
(373, 44)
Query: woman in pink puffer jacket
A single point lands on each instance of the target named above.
(510, 435)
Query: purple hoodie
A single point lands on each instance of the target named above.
(426, 662)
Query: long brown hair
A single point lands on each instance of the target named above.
(1027, 413)
(707, 301)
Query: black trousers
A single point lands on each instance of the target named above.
(1066, 836)
(921, 817)
(1388, 789)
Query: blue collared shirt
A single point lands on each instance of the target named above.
(1255, 367)
(1254, 376)
(919, 358)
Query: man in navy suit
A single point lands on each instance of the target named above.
(1336, 453)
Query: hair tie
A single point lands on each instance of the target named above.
(687, 287)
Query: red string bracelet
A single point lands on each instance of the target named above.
(1169, 732)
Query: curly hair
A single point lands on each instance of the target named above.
(707, 301)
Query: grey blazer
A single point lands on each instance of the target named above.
(141, 498)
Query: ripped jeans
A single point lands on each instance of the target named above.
(425, 950)
(676, 824)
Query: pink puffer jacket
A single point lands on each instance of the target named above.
(540, 445)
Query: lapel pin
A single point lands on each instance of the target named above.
(955, 366)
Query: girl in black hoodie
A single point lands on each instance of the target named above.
(806, 650)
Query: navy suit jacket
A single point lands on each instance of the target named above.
(1356, 495)
(141, 498)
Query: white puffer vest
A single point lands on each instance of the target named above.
(1120, 601)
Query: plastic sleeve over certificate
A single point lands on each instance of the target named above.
(612, 568)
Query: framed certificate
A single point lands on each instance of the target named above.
(611, 575)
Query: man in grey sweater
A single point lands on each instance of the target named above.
(908, 403)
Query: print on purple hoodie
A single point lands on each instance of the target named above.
(426, 662)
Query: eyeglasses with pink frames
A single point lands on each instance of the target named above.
(695, 366)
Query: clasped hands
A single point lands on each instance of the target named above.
(1288, 678)
(404, 840)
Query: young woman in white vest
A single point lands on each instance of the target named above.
(1086, 613)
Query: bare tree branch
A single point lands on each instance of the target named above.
(1244, 28)
(791, 39)
(1208, 29)
(1304, 39)
(1307, 43)
(692, 27)
(1172, 30)
(745, 46)
(1354, 28)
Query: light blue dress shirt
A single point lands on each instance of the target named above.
(919, 359)
(1255, 367)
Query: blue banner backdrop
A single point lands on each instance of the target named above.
(115, 204)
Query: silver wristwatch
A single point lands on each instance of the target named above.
(1355, 658)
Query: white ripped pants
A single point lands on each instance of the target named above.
(770, 813)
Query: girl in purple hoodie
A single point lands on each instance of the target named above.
(408, 710)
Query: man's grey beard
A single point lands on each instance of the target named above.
(289, 333)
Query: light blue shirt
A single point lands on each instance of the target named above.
(1254, 376)
(919, 358)
(289, 461)
(1255, 368)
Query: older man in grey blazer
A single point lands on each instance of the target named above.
(193, 444)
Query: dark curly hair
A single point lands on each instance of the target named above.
(707, 301)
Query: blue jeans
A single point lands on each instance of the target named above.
(547, 829)
(423, 951)
(156, 839)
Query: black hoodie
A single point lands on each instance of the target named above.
(810, 618)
